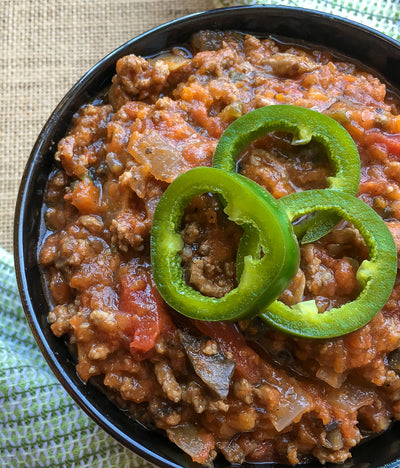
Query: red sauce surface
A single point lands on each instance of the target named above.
(241, 389)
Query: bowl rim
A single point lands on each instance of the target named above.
(28, 178)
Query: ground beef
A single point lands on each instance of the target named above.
(243, 389)
(211, 242)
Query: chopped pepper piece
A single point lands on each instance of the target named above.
(266, 272)
(375, 275)
(304, 124)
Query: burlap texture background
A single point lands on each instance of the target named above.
(46, 46)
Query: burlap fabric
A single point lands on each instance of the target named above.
(46, 46)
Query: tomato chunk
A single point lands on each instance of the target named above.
(391, 141)
(147, 313)
(86, 197)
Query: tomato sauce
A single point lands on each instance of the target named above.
(287, 399)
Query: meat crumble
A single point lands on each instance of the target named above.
(240, 389)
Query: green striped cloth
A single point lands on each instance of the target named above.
(40, 426)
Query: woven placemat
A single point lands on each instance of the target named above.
(46, 46)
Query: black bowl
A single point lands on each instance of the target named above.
(362, 44)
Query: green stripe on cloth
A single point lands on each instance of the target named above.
(40, 425)
(383, 15)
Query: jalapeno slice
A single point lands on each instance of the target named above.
(266, 272)
(376, 275)
(304, 124)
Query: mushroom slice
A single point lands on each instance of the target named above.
(209, 362)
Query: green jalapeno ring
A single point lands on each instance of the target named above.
(304, 124)
(375, 275)
(264, 277)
